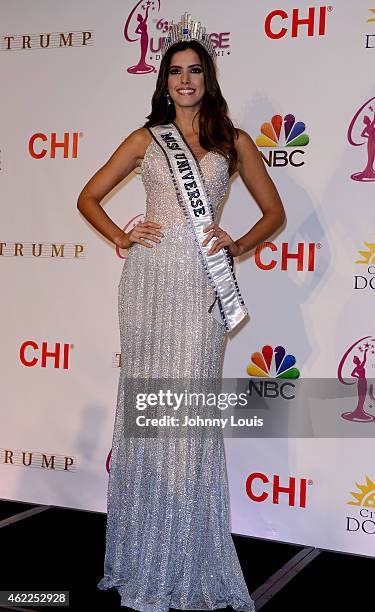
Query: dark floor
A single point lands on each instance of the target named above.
(62, 549)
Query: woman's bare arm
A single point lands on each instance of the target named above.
(123, 161)
(258, 182)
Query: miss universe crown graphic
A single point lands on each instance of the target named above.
(186, 30)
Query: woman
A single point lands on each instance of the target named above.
(168, 533)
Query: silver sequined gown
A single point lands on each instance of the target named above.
(168, 540)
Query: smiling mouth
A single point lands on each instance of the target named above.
(186, 91)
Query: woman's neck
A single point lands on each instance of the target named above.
(187, 120)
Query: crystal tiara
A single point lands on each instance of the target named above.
(185, 30)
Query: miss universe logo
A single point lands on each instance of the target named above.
(146, 29)
(136, 29)
(357, 360)
(362, 132)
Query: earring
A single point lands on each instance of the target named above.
(169, 99)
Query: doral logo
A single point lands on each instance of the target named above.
(279, 23)
(279, 133)
(272, 362)
(368, 260)
(361, 132)
(370, 38)
(365, 502)
(137, 30)
(258, 490)
(301, 259)
(355, 361)
(368, 256)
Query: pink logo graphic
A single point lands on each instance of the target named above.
(359, 372)
(361, 127)
(108, 461)
(137, 25)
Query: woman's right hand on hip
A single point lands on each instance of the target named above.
(144, 230)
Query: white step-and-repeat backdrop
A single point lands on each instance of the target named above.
(76, 78)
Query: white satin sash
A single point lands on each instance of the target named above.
(195, 202)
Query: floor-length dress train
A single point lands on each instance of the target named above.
(168, 540)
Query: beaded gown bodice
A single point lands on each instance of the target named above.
(162, 205)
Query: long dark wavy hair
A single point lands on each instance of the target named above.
(216, 130)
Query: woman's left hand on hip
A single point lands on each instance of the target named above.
(223, 240)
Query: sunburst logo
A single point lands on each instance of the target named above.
(371, 18)
(272, 362)
(366, 495)
(368, 256)
(281, 132)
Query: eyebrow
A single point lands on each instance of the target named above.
(191, 66)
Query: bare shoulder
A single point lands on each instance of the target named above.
(119, 165)
(248, 153)
(138, 141)
(244, 143)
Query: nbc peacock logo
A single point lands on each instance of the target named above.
(365, 502)
(272, 363)
(280, 135)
